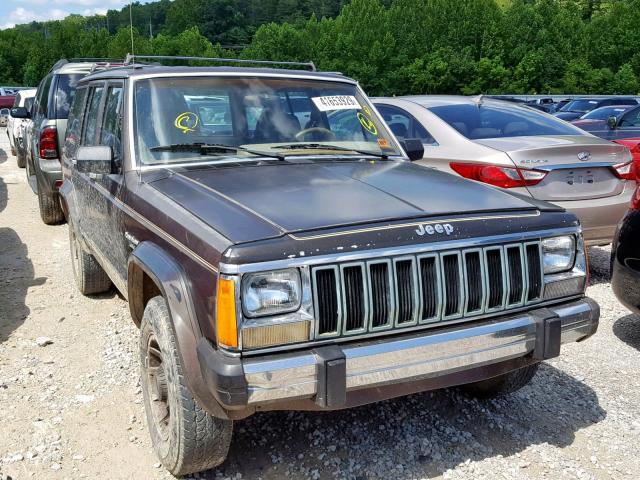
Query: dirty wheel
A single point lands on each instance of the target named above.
(185, 437)
(21, 159)
(503, 384)
(50, 209)
(87, 272)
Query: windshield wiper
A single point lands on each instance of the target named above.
(322, 146)
(211, 148)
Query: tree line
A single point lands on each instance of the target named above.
(391, 47)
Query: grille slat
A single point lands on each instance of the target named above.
(451, 278)
(515, 274)
(474, 274)
(380, 294)
(496, 278)
(534, 271)
(373, 295)
(327, 301)
(355, 300)
(430, 280)
(406, 289)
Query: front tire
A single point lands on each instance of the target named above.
(185, 438)
(89, 275)
(502, 384)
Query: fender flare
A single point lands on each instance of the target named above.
(172, 282)
(67, 200)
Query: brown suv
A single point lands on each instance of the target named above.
(279, 251)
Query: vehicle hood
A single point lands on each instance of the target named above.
(568, 115)
(251, 202)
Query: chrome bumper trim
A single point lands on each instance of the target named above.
(415, 357)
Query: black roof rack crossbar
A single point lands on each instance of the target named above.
(134, 58)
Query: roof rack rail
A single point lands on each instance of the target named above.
(64, 61)
(134, 58)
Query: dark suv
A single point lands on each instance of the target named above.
(279, 251)
(49, 122)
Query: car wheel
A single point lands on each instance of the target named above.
(21, 159)
(185, 438)
(87, 272)
(503, 384)
(50, 209)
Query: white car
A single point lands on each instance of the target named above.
(16, 126)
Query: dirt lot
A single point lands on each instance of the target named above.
(72, 408)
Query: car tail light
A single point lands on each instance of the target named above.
(49, 143)
(499, 176)
(635, 200)
(625, 171)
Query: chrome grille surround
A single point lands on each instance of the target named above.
(549, 292)
(501, 269)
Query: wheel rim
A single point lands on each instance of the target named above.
(158, 388)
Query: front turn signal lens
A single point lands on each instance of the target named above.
(226, 321)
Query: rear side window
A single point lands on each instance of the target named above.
(42, 103)
(499, 121)
(110, 132)
(91, 117)
(65, 90)
(75, 117)
(404, 125)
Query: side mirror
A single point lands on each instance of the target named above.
(95, 161)
(20, 112)
(612, 122)
(413, 148)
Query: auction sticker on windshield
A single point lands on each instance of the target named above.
(336, 102)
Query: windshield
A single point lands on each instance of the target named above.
(603, 113)
(270, 115)
(580, 106)
(501, 120)
(65, 91)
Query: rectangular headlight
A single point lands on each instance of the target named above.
(558, 253)
(271, 293)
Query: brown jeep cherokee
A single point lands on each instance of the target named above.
(279, 251)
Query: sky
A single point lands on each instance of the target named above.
(13, 12)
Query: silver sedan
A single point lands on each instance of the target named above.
(511, 146)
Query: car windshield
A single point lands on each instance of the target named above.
(65, 91)
(603, 113)
(582, 106)
(258, 114)
(501, 120)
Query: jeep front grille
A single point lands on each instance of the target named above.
(396, 292)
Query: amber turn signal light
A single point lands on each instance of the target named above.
(226, 321)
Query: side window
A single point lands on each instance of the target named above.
(41, 105)
(404, 125)
(631, 118)
(91, 116)
(75, 122)
(110, 131)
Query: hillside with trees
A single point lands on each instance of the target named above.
(391, 47)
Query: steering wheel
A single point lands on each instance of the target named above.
(322, 131)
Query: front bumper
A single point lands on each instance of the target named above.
(332, 377)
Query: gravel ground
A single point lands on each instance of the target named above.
(71, 406)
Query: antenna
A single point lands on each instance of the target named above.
(131, 25)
